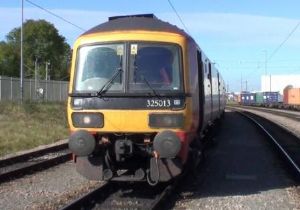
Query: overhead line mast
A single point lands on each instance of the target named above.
(21, 49)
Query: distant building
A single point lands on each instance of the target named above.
(279, 82)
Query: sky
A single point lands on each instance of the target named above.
(238, 36)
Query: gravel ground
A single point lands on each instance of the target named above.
(50, 189)
(287, 198)
(285, 122)
(240, 172)
(34, 149)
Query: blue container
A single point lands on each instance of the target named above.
(247, 98)
(270, 97)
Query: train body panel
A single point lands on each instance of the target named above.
(222, 95)
(132, 119)
(215, 93)
(208, 99)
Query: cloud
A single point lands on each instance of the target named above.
(222, 28)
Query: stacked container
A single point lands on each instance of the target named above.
(270, 97)
(247, 98)
(259, 98)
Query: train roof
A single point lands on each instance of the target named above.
(148, 22)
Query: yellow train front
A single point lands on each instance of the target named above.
(134, 106)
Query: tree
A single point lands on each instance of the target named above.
(9, 60)
(42, 43)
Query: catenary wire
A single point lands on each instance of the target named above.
(52, 13)
(178, 16)
(284, 41)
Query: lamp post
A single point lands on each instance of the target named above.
(21, 54)
(266, 64)
(47, 70)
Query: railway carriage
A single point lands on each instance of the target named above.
(141, 93)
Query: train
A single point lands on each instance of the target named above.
(142, 95)
(289, 100)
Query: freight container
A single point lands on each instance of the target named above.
(286, 93)
(247, 98)
(259, 98)
(292, 96)
(270, 97)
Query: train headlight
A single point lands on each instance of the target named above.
(87, 120)
(166, 120)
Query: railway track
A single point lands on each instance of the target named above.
(124, 195)
(20, 165)
(284, 141)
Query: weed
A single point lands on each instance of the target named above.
(31, 124)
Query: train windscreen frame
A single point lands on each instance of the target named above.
(155, 66)
(139, 61)
(97, 64)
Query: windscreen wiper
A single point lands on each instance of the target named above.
(151, 88)
(109, 83)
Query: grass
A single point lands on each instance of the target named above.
(31, 124)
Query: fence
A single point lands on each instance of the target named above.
(43, 90)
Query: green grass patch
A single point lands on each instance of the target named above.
(31, 124)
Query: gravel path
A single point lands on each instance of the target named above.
(50, 189)
(240, 172)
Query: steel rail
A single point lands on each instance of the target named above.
(286, 155)
(28, 155)
(18, 166)
(103, 193)
(89, 197)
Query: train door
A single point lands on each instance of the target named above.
(211, 91)
(201, 90)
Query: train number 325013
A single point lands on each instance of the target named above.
(158, 103)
